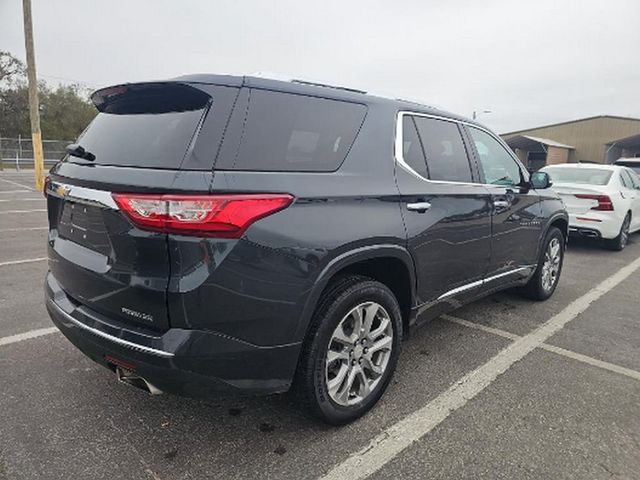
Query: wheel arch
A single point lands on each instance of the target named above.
(389, 264)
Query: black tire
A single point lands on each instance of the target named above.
(310, 384)
(617, 244)
(535, 288)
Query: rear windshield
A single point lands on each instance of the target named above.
(155, 140)
(153, 125)
(588, 176)
(289, 132)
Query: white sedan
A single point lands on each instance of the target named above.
(603, 201)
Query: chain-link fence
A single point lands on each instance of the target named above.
(18, 152)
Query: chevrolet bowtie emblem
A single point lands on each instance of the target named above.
(62, 191)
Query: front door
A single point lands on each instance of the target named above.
(516, 215)
(446, 212)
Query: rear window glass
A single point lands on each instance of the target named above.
(446, 156)
(153, 125)
(289, 132)
(154, 140)
(588, 176)
(411, 149)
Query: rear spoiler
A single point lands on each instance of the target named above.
(150, 97)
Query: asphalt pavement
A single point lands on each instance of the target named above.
(564, 405)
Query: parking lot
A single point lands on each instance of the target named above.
(502, 388)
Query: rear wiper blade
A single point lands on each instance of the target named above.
(78, 150)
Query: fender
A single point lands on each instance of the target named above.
(344, 260)
(561, 214)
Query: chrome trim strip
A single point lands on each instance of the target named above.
(463, 288)
(504, 274)
(119, 341)
(87, 196)
(479, 283)
(399, 155)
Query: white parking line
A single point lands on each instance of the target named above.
(18, 262)
(16, 183)
(24, 211)
(22, 200)
(24, 229)
(612, 367)
(27, 335)
(16, 191)
(394, 439)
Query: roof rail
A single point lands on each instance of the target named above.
(317, 84)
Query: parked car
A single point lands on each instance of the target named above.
(603, 201)
(215, 233)
(632, 163)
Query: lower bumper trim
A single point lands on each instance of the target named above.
(111, 338)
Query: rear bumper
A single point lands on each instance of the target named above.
(599, 225)
(181, 361)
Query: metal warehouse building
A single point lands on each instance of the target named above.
(601, 139)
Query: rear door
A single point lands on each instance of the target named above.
(516, 211)
(631, 185)
(144, 140)
(447, 214)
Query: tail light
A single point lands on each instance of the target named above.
(226, 216)
(604, 202)
(45, 189)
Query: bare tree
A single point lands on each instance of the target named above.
(12, 70)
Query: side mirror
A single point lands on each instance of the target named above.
(540, 180)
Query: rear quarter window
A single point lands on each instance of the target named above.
(290, 132)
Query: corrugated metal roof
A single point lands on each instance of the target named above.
(616, 117)
(527, 142)
(632, 141)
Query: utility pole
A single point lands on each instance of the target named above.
(34, 110)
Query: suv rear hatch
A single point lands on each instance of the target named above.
(142, 138)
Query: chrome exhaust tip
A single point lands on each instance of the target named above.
(130, 377)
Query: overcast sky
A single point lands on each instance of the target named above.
(529, 62)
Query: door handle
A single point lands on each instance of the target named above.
(420, 207)
(501, 203)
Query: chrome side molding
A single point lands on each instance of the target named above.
(479, 283)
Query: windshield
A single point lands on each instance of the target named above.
(587, 176)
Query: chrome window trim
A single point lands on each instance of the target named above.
(399, 155)
(87, 196)
(479, 283)
(119, 341)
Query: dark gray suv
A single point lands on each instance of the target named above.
(216, 233)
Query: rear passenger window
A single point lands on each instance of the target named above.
(446, 156)
(289, 132)
(626, 181)
(411, 149)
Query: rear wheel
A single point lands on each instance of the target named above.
(621, 240)
(545, 279)
(351, 351)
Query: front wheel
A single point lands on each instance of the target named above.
(545, 279)
(351, 350)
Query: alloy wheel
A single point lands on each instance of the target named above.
(551, 265)
(358, 353)
(624, 232)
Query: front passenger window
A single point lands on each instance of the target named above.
(498, 166)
